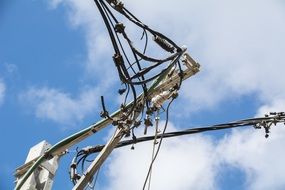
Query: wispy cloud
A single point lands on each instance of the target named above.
(84, 14)
(65, 107)
(2, 91)
(276, 105)
(180, 165)
(176, 167)
(10, 68)
(198, 162)
(59, 106)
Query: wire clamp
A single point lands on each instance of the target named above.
(119, 28)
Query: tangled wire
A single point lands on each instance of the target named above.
(144, 69)
(137, 72)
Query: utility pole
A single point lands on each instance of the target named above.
(157, 92)
(96, 164)
(42, 177)
(159, 96)
(157, 79)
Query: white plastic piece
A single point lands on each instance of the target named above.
(164, 89)
(42, 177)
(159, 99)
(37, 150)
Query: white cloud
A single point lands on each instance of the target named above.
(179, 165)
(277, 105)
(2, 91)
(84, 14)
(63, 107)
(197, 162)
(261, 159)
(172, 169)
(59, 106)
(239, 47)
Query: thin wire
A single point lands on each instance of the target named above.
(83, 158)
(92, 187)
(107, 10)
(134, 50)
(124, 71)
(154, 143)
(160, 142)
(127, 94)
(230, 125)
(140, 24)
(96, 177)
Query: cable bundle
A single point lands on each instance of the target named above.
(144, 69)
(137, 75)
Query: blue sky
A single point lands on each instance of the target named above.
(55, 63)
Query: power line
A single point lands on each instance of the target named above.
(258, 123)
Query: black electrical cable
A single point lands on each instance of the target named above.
(137, 61)
(105, 8)
(180, 75)
(134, 103)
(123, 71)
(264, 122)
(133, 63)
(115, 46)
(155, 76)
(174, 58)
(116, 50)
(104, 113)
(81, 158)
(105, 18)
(236, 124)
(83, 162)
(140, 24)
(135, 51)
(146, 40)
